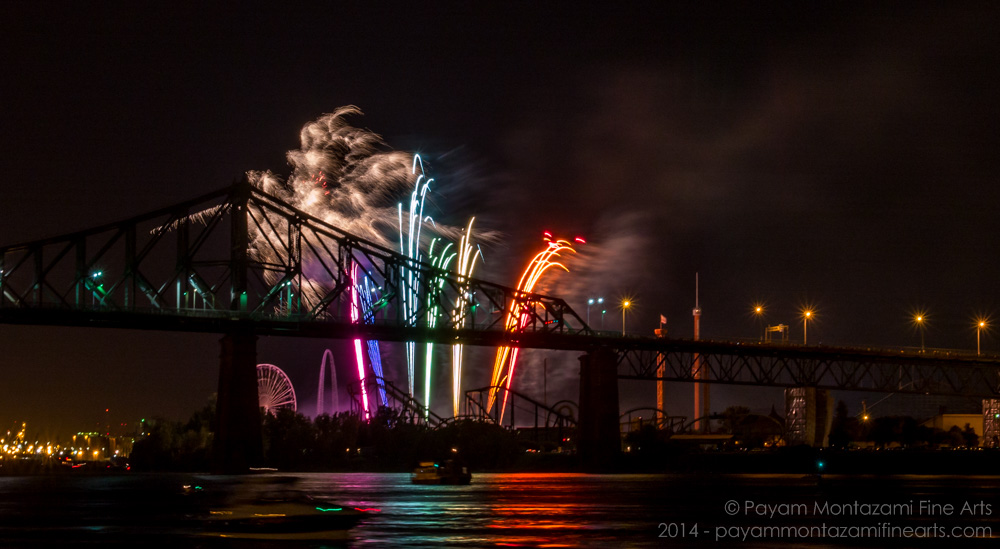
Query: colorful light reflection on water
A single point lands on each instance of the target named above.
(496, 510)
(505, 510)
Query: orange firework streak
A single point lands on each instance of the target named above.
(517, 317)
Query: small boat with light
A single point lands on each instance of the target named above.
(429, 472)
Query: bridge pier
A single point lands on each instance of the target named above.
(991, 423)
(599, 435)
(808, 416)
(238, 443)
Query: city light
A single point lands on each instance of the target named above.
(592, 301)
(625, 305)
(758, 312)
(807, 315)
(919, 320)
(981, 324)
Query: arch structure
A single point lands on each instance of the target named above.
(325, 362)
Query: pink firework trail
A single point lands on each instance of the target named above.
(356, 318)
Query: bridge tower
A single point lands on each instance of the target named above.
(238, 443)
(701, 390)
(661, 372)
(600, 439)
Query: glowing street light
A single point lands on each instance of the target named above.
(625, 305)
(591, 301)
(758, 311)
(806, 315)
(919, 319)
(96, 286)
(980, 324)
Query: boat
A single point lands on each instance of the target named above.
(282, 516)
(451, 472)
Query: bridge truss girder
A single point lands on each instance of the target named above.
(238, 256)
(825, 368)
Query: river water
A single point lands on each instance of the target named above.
(526, 510)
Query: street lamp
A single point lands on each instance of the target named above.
(979, 328)
(806, 315)
(625, 305)
(591, 301)
(96, 287)
(919, 319)
(758, 311)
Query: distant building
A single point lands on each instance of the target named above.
(945, 422)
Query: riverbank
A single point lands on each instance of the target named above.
(795, 460)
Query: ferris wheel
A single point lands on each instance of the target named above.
(274, 389)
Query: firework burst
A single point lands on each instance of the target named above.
(409, 246)
(371, 302)
(440, 260)
(517, 317)
(358, 355)
(464, 267)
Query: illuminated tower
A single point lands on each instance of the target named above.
(661, 372)
(701, 397)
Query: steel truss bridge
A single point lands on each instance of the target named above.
(845, 369)
(238, 257)
(243, 263)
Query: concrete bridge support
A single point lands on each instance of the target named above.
(808, 416)
(599, 438)
(991, 423)
(238, 443)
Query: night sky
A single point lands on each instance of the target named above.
(843, 159)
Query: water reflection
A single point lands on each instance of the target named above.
(559, 506)
(501, 510)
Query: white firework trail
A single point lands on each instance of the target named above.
(412, 285)
(467, 255)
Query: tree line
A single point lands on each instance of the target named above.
(389, 441)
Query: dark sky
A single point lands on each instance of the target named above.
(839, 158)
